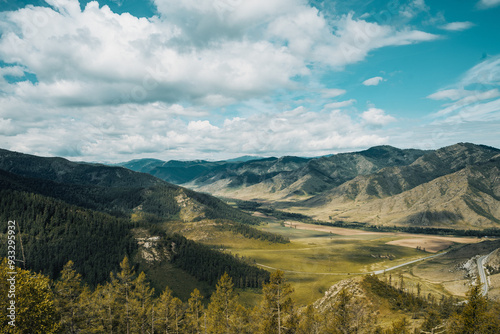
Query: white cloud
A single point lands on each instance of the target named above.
(488, 3)
(480, 104)
(450, 94)
(109, 82)
(485, 73)
(373, 81)
(333, 92)
(341, 104)
(113, 133)
(470, 98)
(457, 26)
(375, 116)
(95, 57)
(413, 8)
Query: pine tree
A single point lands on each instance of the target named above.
(474, 317)
(194, 314)
(67, 293)
(122, 285)
(94, 312)
(310, 322)
(222, 306)
(106, 307)
(168, 313)
(276, 305)
(140, 300)
(400, 327)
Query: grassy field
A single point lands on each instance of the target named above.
(318, 257)
(315, 260)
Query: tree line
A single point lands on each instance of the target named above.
(250, 232)
(493, 231)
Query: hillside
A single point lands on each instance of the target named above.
(110, 189)
(65, 171)
(309, 177)
(91, 214)
(452, 187)
(275, 178)
(455, 187)
(395, 180)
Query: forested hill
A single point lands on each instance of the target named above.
(65, 171)
(114, 190)
(54, 232)
(89, 214)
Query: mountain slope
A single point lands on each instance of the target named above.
(291, 178)
(467, 198)
(395, 180)
(110, 189)
(65, 171)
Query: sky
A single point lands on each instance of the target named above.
(112, 81)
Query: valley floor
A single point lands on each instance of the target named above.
(320, 256)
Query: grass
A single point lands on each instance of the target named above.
(313, 261)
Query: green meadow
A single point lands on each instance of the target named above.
(313, 261)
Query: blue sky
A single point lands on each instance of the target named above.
(183, 79)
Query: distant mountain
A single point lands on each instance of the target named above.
(291, 177)
(197, 173)
(245, 158)
(275, 178)
(65, 171)
(456, 186)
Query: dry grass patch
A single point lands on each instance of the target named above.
(494, 291)
(432, 245)
(457, 288)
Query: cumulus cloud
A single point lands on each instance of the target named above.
(375, 116)
(157, 130)
(457, 26)
(373, 81)
(107, 82)
(217, 51)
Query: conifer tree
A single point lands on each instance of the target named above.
(67, 292)
(94, 313)
(123, 285)
(309, 322)
(168, 312)
(276, 305)
(105, 307)
(194, 314)
(222, 306)
(401, 326)
(140, 301)
(474, 317)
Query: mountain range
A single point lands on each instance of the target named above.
(455, 186)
